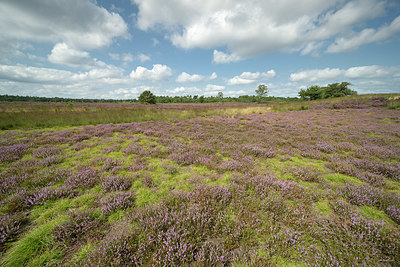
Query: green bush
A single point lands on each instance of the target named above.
(147, 97)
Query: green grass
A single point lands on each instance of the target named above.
(323, 207)
(145, 196)
(374, 213)
(38, 241)
(341, 178)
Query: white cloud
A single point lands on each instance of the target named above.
(22, 73)
(237, 81)
(316, 75)
(128, 57)
(250, 77)
(251, 28)
(221, 57)
(181, 90)
(269, 74)
(79, 23)
(366, 36)
(177, 90)
(155, 41)
(312, 48)
(361, 72)
(143, 57)
(122, 93)
(157, 73)
(185, 77)
(367, 72)
(65, 55)
(213, 87)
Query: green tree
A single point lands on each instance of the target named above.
(338, 90)
(147, 97)
(262, 90)
(313, 92)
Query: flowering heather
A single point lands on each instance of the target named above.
(13, 152)
(304, 173)
(138, 164)
(317, 187)
(116, 183)
(79, 224)
(46, 152)
(9, 227)
(394, 213)
(115, 201)
(86, 177)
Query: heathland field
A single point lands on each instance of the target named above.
(303, 183)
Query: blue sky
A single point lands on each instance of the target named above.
(117, 49)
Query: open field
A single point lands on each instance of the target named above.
(317, 183)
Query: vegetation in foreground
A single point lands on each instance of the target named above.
(311, 187)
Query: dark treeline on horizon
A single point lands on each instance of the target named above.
(159, 99)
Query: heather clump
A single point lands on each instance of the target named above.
(116, 183)
(116, 201)
(9, 227)
(394, 213)
(12, 153)
(86, 177)
(46, 152)
(304, 173)
(78, 225)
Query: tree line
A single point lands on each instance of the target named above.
(311, 93)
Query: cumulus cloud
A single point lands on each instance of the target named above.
(251, 28)
(22, 73)
(185, 77)
(65, 55)
(34, 81)
(250, 77)
(78, 23)
(214, 87)
(221, 57)
(316, 75)
(361, 72)
(157, 73)
(366, 36)
(122, 93)
(181, 90)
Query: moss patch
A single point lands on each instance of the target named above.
(341, 178)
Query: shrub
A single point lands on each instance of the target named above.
(78, 224)
(9, 226)
(113, 202)
(115, 183)
(147, 97)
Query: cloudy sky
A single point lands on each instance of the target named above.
(117, 49)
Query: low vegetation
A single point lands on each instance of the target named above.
(317, 183)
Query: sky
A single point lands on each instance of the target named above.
(118, 49)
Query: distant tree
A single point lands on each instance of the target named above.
(338, 90)
(262, 90)
(331, 90)
(147, 97)
(313, 92)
